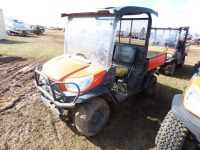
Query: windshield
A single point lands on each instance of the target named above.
(164, 38)
(91, 38)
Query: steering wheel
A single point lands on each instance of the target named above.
(99, 55)
(81, 55)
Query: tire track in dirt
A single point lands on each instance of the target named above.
(16, 80)
(25, 122)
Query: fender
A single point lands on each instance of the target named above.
(149, 75)
(152, 72)
(186, 118)
(98, 91)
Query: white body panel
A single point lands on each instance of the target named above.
(2, 26)
(16, 26)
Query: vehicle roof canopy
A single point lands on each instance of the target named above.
(116, 11)
(170, 28)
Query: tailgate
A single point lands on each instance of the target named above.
(156, 59)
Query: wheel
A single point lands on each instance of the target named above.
(9, 33)
(38, 32)
(91, 117)
(180, 65)
(170, 69)
(151, 87)
(24, 33)
(171, 134)
(195, 68)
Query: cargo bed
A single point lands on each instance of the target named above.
(156, 59)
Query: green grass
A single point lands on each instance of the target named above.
(32, 47)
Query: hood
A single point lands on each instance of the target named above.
(161, 49)
(64, 66)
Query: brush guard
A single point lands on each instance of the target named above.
(54, 94)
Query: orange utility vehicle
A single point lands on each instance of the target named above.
(181, 126)
(173, 42)
(98, 67)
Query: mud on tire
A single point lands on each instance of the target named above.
(171, 134)
(91, 117)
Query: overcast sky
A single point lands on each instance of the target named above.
(172, 13)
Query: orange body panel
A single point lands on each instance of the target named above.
(62, 67)
(194, 81)
(156, 61)
(161, 49)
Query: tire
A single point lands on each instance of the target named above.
(9, 33)
(180, 65)
(38, 32)
(91, 117)
(195, 68)
(172, 133)
(170, 69)
(151, 87)
(24, 33)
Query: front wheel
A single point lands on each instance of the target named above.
(91, 117)
(196, 68)
(171, 134)
(170, 69)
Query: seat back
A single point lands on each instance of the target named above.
(124, 54)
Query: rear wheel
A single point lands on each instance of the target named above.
(151, 87)
(91, 117)
(171, 134)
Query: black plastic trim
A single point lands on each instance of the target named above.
(128, 10)
(189, 120)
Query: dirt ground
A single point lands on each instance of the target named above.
(25, 123)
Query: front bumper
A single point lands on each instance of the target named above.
(170, 60)
(50, 90)
(189, 120)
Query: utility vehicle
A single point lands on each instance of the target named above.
(37, 29)
(181, 126)
(17, 27)
(99, 66)
(173, 42)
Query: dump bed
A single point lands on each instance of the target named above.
(156, 59)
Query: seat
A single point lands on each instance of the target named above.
(124, 57)
(121, 70)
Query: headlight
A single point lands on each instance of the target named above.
(192, 99)
(42, 79)
(83, 83)
(169, 55)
